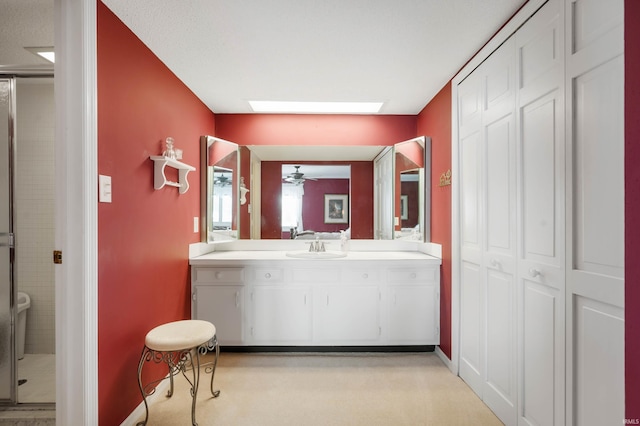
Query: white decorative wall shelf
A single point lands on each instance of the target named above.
(159, 178)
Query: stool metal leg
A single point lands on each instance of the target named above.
(211, 367)
(144, 357)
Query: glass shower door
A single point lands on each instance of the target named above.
(7, 347)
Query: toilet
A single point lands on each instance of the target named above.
(24, 302)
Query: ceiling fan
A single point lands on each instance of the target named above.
(297, 177)
(222, 180)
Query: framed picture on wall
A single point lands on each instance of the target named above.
(336, 208)
(404, 203)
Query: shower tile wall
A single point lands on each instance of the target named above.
(34, 209)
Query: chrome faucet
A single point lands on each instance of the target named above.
(317, 246)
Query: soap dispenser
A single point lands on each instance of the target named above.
(344, 242)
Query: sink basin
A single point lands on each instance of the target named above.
(302, 254)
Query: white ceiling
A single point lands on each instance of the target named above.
(228, 52)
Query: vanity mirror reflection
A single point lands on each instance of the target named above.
(219, 180)
(268, 168)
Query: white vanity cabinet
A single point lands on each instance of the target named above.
(409, 291)
(279, 313)
(337, 302)
(218, 296)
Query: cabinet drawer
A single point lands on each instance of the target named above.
(360, 276)
(314, 275)
(267, 275)
(407, 275)
(219, 275)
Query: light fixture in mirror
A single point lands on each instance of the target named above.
(219, 202)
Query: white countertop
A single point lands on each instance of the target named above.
(270, 255)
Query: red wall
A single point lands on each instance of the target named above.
(143, 269)
(296, 129)
(632, 207)
(313, 206)
(435, 121)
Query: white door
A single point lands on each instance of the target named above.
(472, 326)
(541, 217)
(499, 245)
(383, 196)
(595, 213)
(488, 201)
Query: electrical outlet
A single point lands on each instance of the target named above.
(196, 224)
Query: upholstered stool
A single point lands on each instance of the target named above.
(175, 344)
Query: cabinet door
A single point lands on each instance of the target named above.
(280, 314)
(413, 314)
(222, 306)
(348, 314)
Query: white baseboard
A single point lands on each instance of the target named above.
(161, 391)
(445, 359)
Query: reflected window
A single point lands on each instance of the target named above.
(222, 207)
(292, 205)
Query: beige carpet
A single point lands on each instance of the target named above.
(326, 389)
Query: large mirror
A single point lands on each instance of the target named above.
(334, 187)
(220, 195)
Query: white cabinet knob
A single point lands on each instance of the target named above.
(413, 275)
(533, 272)
(495, 263)
(365, 275)
(267, 275)
(218, 275)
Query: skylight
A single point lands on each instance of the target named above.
(43, 52)
(293, 107)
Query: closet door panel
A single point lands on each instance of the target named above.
(500, 390)
(599, 116)
(539, 396)
(499, 248)
(595, 216)
(472, 327)
(540, 53)
(500, 186)
(471, 194)
(542, 181)
(599, 391)
(541, 216)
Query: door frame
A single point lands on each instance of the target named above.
(76, 219)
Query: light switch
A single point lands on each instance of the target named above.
(196, 224)
(104, 189)
(396, 221)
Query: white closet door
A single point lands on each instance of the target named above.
(595, 216)
(541, 216)
(472, 324)
(499, 246)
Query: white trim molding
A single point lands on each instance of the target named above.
(76, 219)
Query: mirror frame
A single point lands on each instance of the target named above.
(206, 176)
(424, 194)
